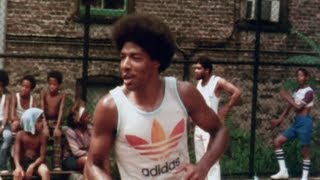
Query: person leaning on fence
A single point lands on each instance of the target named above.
(302, 102)
(78, 135)
(5, 129)
(52, 102)
(146, 118)
(30, 147)
(211, 87)
(22, 101)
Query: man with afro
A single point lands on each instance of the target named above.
(145, 119)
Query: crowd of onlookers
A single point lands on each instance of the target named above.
(27, 124)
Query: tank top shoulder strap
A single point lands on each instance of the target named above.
(171, 87)
(120, 101)
(3, 99)
(18, 101)
(214, 81)
(31, 101)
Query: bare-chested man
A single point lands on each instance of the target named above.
(30, 147)
(52, 102)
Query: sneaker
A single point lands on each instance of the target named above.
(282, 174)
(4, 172)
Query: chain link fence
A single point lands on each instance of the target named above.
(258, 62)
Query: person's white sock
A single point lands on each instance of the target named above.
(305, 168)
(280, 157)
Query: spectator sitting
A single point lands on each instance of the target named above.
(78, 135)
(30, 146)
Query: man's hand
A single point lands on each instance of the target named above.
(19, 170)
(275, 123)
(29, 171)
(284, 95)
(222, 112)
(192, 172)
(46, 132)
(57, 132)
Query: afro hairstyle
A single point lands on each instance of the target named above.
(150, 33)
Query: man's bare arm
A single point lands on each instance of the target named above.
(6, 112)
(43, 151)
(42, 99)
(17, 150)
(60, 111)
(205, 118)
(276, 122)
(288, 98)
(102, 140)
(235, 95)
(13, 114)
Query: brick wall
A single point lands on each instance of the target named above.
(53, 28)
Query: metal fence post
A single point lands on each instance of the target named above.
(3, 14)
(86, 47)
(255, 89)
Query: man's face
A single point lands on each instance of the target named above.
(53, 85)
(199, 71)
(136, 66)
(85, 118)
(39, 124)
(25, 88)
(301, 78)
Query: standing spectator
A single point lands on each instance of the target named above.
(211, 87)
(52, 102)
(301, 102)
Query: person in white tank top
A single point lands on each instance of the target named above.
(22, 101)
(5, 130)
(146, 118)
(210, 87)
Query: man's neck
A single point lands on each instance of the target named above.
(25, 96)
(149, 97)
(301, 86)
(205, 80)
(55, 93)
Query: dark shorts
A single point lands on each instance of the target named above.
(301, 128)
(70, 163)
(26, 163)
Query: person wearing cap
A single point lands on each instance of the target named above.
(78, 135)
(30, 147)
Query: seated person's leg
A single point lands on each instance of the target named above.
(70, 163)
(43, 172)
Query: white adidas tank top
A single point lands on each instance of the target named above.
(150, 145)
